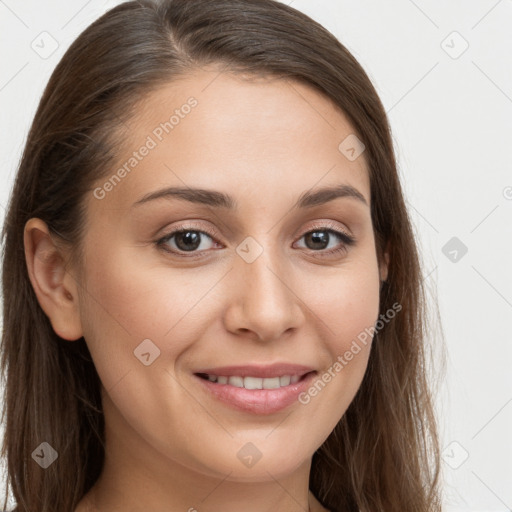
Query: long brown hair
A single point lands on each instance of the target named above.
(383, 455)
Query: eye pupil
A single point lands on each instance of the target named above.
(188, 237)
(318, 238)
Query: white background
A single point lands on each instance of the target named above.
(451, 115)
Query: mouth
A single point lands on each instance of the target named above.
(251, 382)
(256, 389)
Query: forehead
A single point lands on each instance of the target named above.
(224, 131)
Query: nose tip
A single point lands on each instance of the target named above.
(262, 302)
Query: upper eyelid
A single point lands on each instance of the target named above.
(322, 224)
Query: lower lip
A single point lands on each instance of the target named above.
(257, 401)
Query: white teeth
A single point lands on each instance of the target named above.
(284, 380)
(272, 383)
(255, 382)
(236, 381)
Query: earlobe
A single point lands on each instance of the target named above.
(54, 286)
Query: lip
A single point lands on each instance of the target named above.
(257, 401)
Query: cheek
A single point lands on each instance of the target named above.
(348, 303)
(348, 308)
(128, 301)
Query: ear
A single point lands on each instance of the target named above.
(384, 265)
(55, 288)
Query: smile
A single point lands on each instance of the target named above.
(253, 382)
(256, 389)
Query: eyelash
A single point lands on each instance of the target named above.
(346, 240)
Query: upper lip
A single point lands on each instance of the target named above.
(263, 371)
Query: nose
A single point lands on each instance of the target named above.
(263, 304)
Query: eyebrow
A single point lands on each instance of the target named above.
(218, 199)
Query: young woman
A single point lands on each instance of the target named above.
(212, 292)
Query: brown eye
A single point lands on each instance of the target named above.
(188, 240)
(319, 239)
(185, 240)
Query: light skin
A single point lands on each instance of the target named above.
(169, 445)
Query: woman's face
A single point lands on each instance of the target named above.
(268, 291)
